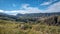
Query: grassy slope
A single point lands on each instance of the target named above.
(9, 27)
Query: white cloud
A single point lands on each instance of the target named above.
(46, 3)
(49, 2)
(25, 6)
(27, 9)
(33, 10)
(54, 8)
(1, 10)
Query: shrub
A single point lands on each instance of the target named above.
(26, 27)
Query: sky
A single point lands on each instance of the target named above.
(14, 7)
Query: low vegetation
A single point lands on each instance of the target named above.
(40, 27)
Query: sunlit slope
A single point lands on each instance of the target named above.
(12, 27)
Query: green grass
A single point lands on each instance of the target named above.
(9, 27)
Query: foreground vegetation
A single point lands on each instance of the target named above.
(12, 27)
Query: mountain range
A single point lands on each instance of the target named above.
(38, 14)
(25, 16)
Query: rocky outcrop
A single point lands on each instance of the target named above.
(52, 20)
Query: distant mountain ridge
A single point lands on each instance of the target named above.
(38, 14)
(29, 15)
(4, 16)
